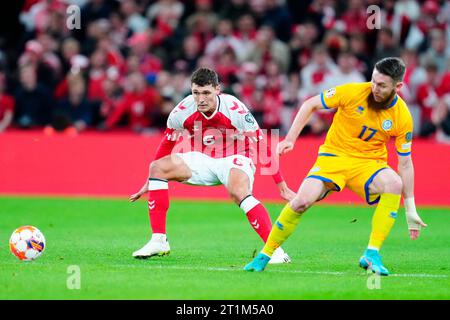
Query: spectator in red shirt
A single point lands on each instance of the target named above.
(97, 74)
(6, 105)
(313, 76)
(355, 18)
(78, 65)
(201, 23)
(227, 67)
(149, 64)
(113, 93)
(165, 16)
(415, 73)
(441, 113)
(246, 88)
(113, 55)
(273, 104)
(140, 103)
(442, 116)
(428, 99)
(272, 96)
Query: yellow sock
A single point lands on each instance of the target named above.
(383, 219)
(282, 229)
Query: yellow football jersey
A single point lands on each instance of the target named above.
(363, 132)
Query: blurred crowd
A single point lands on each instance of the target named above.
(130, 61)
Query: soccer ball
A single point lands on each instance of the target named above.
(27, 243)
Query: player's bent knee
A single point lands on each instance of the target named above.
(238, 194)
(394, 185)
(301, 204)
(238, 185)
(158, 169)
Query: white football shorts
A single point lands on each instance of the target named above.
(208, 171)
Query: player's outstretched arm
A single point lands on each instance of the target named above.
(301, 119)
(406, 172)
(137, 195)
(166, 146)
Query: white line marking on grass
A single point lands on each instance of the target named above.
(418, 275)
(334, 273)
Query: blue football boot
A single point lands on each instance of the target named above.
(372, 260)
(258, 264)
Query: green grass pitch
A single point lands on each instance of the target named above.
(211, 242)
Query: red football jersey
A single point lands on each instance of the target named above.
(230, 130)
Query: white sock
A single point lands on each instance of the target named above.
(248, 203)
(157, 184)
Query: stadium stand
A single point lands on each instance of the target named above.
(130, 53)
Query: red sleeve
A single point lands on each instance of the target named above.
(277, 176)
(167, 144)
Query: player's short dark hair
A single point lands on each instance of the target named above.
(393, 67)
(204, 77)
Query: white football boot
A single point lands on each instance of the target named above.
(279, 256)
(157, 246)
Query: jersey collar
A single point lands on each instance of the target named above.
(394, 101)
(215, 111)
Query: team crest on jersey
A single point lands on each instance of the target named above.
(387, 125)
(249, 118)
(330, 92)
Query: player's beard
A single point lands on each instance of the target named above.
(380, 105)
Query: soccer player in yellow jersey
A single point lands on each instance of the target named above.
(354, 155)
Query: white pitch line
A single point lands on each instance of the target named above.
(418, 275)
(334, 273)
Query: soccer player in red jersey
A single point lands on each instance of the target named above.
(222, 136)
